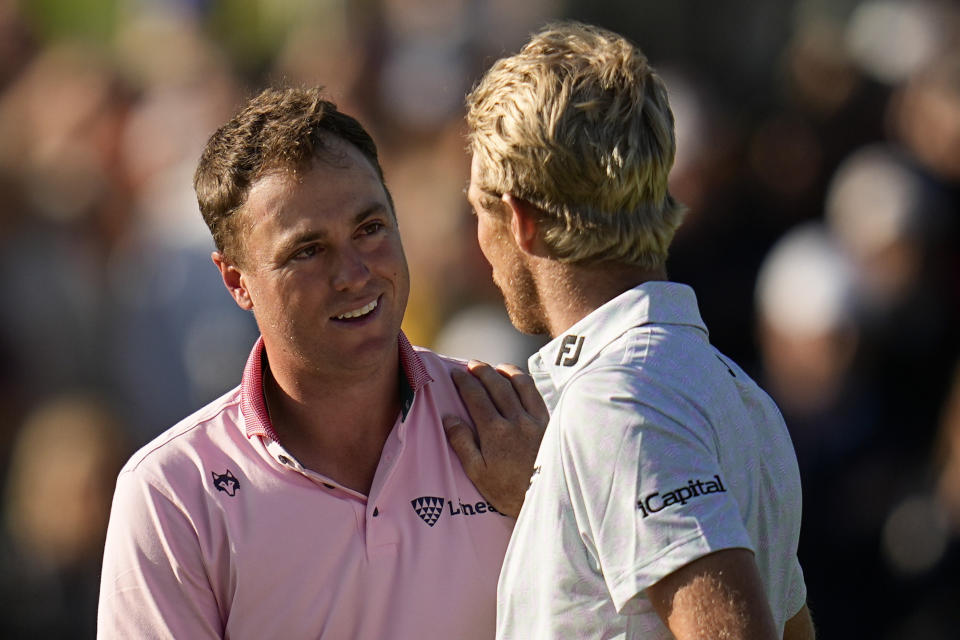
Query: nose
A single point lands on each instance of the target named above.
(351, 271)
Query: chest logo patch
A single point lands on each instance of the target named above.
(225, 482)
(429, 508)
(571, 344)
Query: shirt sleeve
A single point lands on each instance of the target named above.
(153, 584)
(796, 591)
(644, 481)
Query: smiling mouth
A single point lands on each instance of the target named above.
(359, 313)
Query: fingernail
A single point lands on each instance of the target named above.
(450, 422)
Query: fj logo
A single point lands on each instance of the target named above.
(566, 347)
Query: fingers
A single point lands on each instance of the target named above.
(464, 445)
(510, 419)
(498, 387)
(527, 391)
(475, 397)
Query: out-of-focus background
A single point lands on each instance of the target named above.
(819, 156)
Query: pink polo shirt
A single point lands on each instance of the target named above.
(217, 532)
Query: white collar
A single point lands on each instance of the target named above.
(657, 302)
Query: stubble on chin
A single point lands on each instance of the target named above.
(523, 304)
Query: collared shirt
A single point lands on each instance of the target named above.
(659, 450)
(217, 531)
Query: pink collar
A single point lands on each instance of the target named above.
(254, 408)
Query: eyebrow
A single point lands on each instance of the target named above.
(370, 210)
(296, 238)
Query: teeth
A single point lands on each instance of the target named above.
(359, 312)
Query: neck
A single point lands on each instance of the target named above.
(338, 409)
(570, 293)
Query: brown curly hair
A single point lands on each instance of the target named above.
(279, 130)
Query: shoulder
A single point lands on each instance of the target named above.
(603, 386)
(437, 363)
(186, 444)
(629, 401)
(600, 398)
(440, 392)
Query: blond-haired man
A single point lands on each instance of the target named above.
(665, 496)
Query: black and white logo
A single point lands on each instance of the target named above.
(429, 508)
(225, 482)
(658, 501)
(565, 347)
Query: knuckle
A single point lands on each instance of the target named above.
(475, 366)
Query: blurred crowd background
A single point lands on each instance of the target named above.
(819, 156)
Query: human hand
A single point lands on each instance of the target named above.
(510, 417)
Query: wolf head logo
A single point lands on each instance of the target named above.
(225, 482)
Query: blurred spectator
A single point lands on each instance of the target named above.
(60, 123)
(17, 42)
(59, 485)
(948, 455)
(177, 339)
(809, 338)
(807, 331)
(925, 116)
(890, 39)
(892, 222)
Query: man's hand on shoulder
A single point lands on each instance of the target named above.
(510, 417)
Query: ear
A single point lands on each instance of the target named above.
(233, 280)
(523, 224)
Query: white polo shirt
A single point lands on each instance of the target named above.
(217, 532)
(659, 450)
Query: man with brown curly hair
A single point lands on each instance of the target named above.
(319, 499)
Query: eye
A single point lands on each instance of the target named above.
(306, 252)
(371, 228)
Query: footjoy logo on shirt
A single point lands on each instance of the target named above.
(657, 501)
(570, 343)
(430, 508)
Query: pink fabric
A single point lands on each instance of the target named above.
(214, 534)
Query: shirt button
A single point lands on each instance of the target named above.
(284, 460)
(376, 512)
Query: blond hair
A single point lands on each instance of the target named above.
(578, 124)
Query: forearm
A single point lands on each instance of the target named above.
(800, 626)
(717, 596)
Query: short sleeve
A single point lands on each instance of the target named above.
(796, 590)
(644, 480)
(153, 584)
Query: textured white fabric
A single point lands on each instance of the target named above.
(659, 450)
